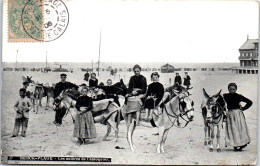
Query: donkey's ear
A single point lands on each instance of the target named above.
(216, 95)
(205, 94)
(24, 78)
(121, 81)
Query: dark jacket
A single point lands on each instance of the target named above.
(93, 83)
(186, 80)
(233, 101)
(137, 82)
(155, 89)
(178, 80)
(63, 86)
(84, 101)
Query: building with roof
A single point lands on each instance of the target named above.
(248, 58)
(167, 68)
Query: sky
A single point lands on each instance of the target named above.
(146, 31)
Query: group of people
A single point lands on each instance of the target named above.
(178, 80)
(151, 97)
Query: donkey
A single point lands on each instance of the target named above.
(178, 106)
(213, 110)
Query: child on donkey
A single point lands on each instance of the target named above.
(84, 127)
(137, 87)
(22, 107)
(153, 96)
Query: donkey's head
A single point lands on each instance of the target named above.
(212, 107)
(186, 104)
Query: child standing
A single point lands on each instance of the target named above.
(84, 127)
(22, 107)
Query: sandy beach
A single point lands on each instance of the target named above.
(183, 146)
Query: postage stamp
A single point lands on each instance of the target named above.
(18, 28)
(36, 20)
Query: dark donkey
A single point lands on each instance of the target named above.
(42, 91)
(213, 112)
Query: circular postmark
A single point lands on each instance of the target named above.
(45, 20)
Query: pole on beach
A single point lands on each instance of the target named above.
(46, 59)
(16, 58)
(99, 50)
(92, 66)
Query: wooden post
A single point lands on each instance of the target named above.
(99, 50)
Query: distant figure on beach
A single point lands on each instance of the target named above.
(153, 96)
(93, 82)
(111, 72)
(187, 80)
(177, 80)
(236, 128)
(86, 76)
(59, 87)
(22, 107)
(84, 127)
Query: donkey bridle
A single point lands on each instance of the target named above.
(181, 115)
(220, 115)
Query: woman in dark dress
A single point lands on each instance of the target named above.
(137, 83)
(93, 82)
(137, 87)
(236, 128)
(153, 96)
(84, 127)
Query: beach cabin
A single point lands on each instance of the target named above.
(177, 69)
(8, 69)
(167, 68)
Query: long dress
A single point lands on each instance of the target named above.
(154, 89)
(84, 126)
(236, 127)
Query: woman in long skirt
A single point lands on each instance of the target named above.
(236, 128)
(84, 127)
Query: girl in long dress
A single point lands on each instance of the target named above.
(236, 128)
(84, 127)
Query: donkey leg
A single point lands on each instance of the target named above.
(108, 132)
(47, 102)
(113, 125)
(211, 139)
(164, 139)
(206, 135)
(218, 139)
(209, 135)
(130, 135)
(161, 132)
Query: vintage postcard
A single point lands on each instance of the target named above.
(150, 82)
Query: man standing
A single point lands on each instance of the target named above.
(86, 76)
(62, 85)
(177, 80)
(187, 80)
